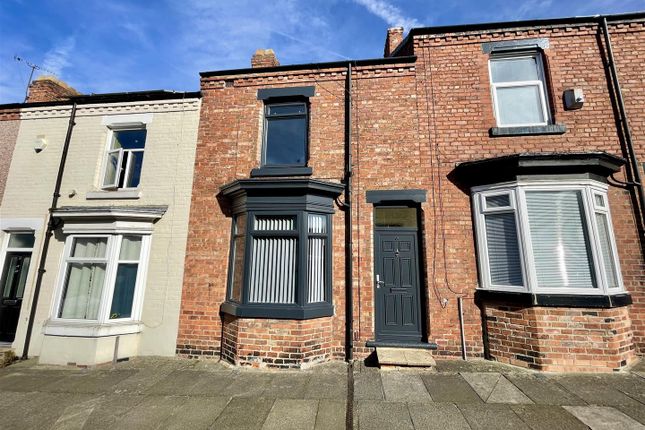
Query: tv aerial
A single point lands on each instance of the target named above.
(33, 68)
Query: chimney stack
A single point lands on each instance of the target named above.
(393, 40)
(264, 58)
(49, 89)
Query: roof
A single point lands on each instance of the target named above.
(121, 97)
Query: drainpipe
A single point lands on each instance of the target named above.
(52, 225)
(349, 253)
(623, 119)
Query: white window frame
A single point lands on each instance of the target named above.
(517, 190)
(540, 83)
(122, 152)
(112, 262)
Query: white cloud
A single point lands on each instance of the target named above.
(57, 58)
(389, 13)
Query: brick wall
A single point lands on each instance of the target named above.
(9, 126)
(560, 339)
(49, 89)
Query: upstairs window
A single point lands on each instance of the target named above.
(124, 159)
(519, 90)
(285, 135)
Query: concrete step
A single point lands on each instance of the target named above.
(404, 357)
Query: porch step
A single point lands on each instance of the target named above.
(404, 357)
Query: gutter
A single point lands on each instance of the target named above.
(52, 224)
(626, 131)
(349, 252)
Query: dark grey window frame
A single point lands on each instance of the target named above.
(295, 197)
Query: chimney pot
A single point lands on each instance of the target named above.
(264, 58)
(393, 40)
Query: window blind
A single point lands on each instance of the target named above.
(503, 249)
(561, 250)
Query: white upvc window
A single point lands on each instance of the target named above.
(102, 278)
(542, 237)
(124, 158)
(518, 89)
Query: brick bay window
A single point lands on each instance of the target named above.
(103, 270)
(280, 257)
(519, 90)
(285, 132)
(543, 225)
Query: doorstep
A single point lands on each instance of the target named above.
(404, 357)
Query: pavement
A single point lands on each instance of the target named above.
(167, 393)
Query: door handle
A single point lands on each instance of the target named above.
(379, 283)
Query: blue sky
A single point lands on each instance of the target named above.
(130, 45)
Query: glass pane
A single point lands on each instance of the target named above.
(238, 268)
(129, 139)
(273, 270)
(82, 293)
(130, 248)
(514, 69)
(22, 279)
(499, 201)
(395, 217)
(11, 269)
(287, 109)
(112, 169)
(21, 240)
(286, 141)
(279, 223)
(89, 247)
(560, 243)
(134, 168)
(317, 224)
(126, 280)
(606, 250)
(316, 270)
(503, 250)
(600, 201)
(519, 105)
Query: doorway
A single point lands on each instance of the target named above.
(15, 269)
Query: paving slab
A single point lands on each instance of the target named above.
(482, 383)
(248, 384)
(151, 412)
(327, 386)
(110, 409)
(244, 413)
(177, 383)
(476, 365)
(368, 386)
(404, 387)
(595, 390)
(631, 385)
(287, 386)
(39, 410)
(495, 388)
(382, 416)
(331, 415)
(544, 391)
(292, 414)
(539, 417)
(195, 414)
(441, 416)
(142, 380)
(405, 357)
(25, 381)
(604, 418)
(76, 415)
(450, 388)
(489, 416)
(212, 384)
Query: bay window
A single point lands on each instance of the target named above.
(546, 237)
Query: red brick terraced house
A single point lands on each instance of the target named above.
(476, 191)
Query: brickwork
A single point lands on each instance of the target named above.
(411, 123)
(560, 339)
(49, 89)
(9, 126)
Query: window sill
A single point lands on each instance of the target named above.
(113, 195)
(281, 171)
(90, 328)
(536, 130)
(288, 312)
(615, 300)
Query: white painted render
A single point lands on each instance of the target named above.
(166, 179)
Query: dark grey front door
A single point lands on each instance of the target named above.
(13, 279)
(398, 308)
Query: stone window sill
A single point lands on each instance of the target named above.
(556, 300)
(90, 328)
(289, 312)
(536, 130)
(281, 171)
(113, 195)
